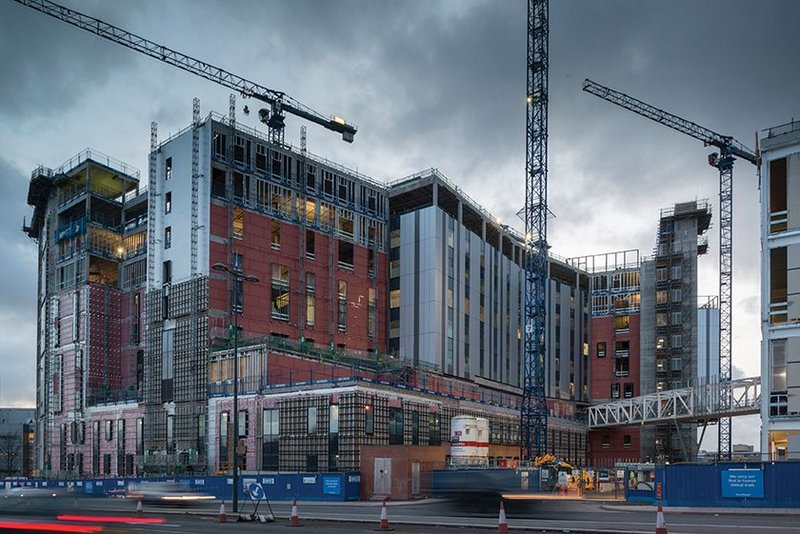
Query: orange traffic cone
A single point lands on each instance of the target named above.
(222, 517)
(384, 524)
(139, 511)
(502, 524)
(294, 521)
(661, 525)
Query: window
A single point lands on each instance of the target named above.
(109, 429)
(168, 169)
(628, 390)
(224, 435)
(662, 274)
(396, 421)
(434, 430)
(614, 391)
(415, 428)
(220, 145)
(341, 315)
(311, 299)
(601, 349)
(166, 272)
(662, 319)
(676, 272)
(107, 464)
(170, 443)
(168, 202)
(345, 254)
(675, 295)
(626, 441)
(312, 419)
(677, 341)
(310, 238)
(372, 312)
(333, 437)
(140, 435)
(261, 157)
(661, 296)
(369, 420)
(243, 423)
(270, 431)
(606, 441)
(394, 298)
(677, 318)
(238, 223)
(275, 234)
(621, 322)
(621, 367)
(777, 349)
(661, 342)
(167, 237)
(280, 292)
(676, 364)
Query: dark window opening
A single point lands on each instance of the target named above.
(345, 254)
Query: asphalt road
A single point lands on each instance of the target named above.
(435, 517)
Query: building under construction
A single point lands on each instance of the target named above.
(669, 335)
(373, 312)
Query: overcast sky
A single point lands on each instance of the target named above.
(429, 84)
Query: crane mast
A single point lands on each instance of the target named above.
(533, 412)
(729, 150)
(279, 103)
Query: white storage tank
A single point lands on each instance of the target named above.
(469, 441)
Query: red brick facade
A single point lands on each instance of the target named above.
(259, 254)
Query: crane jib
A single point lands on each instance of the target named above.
(278, 100)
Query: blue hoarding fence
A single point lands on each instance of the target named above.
(727, 484)
(277, 486)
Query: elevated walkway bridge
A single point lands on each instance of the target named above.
(700, 404)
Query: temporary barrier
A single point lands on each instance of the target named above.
(725, 484)
(345, 486)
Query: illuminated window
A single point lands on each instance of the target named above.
(311, 299)
(238, 223)
(280, 292)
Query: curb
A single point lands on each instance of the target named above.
(690, 510)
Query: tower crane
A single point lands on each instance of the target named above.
(729, 149)
(533, 411)
(279, 103)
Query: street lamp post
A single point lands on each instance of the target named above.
(238, 278)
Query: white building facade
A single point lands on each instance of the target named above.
(780, 291)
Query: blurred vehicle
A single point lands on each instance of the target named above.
(34, 501)
(166, 493)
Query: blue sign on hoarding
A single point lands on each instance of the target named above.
(743, 483)
(331, 485)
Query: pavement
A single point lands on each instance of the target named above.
(704, 510)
